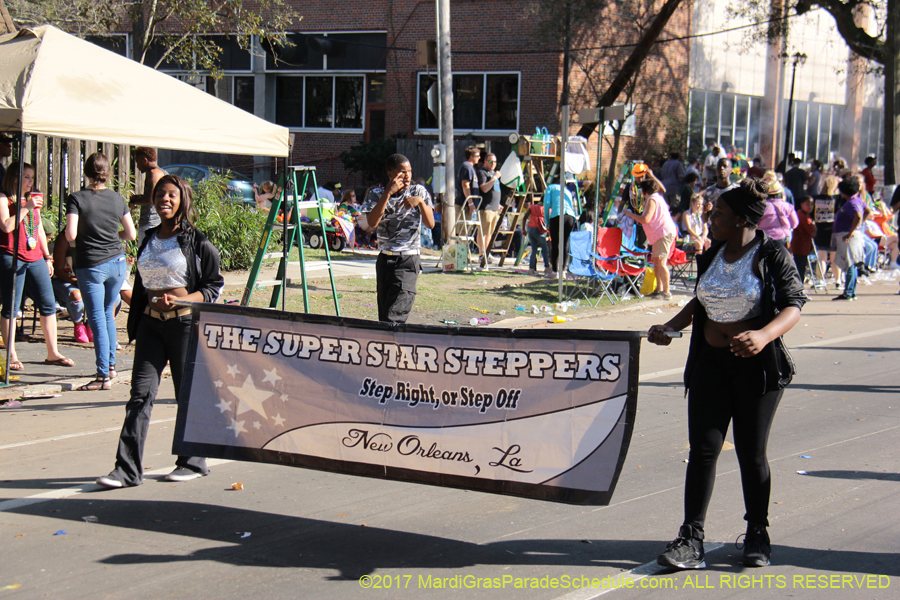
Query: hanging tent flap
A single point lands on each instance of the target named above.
(56, 84)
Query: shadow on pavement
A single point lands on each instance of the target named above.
(354, 550)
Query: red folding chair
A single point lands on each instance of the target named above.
(681, 265)
(615, 259)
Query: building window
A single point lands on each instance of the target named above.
(320, 101)
(481, 102)
(363, 51)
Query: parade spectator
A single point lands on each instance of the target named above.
(722, 183)
(145, 162)
(489, 190)
(711, 165)
(176, 263)
(815, 179)
(838, 167)
(780, 218)
(795, 179)
(93, 216)
(552, 213)
(467, 180)
(847, 238)
(327, 191)
(672, 175)
(693, 166)
(804, 233)
(33, 268)
(694, 225)
(537, 228)
(758, 169)
(826, 208)
(65, 289)
(868, 175)
(397, 212)
(661, 233)
(737, 367)
(687, 192)
(264, 194)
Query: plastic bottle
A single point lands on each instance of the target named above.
(473, 321)
(521, 307)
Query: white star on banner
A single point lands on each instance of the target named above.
(237, 426)
(233, 370)
(250, 397)
(217, 383)
(279, 421)
(271, 376)
(284, 398)
(256, 424)
(223, 405)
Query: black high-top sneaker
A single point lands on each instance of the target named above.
(685, 551)
(757, 547)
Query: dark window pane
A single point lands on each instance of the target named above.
(318, 101)
(232, 57)
(376, 125)
(837, 116)
(695, 145)
(502, 102)
(712, 118)
(812, 132)
(348, 98)
(243, 93)
(427, 119)
(753, 138)
(357, 51)
(289, 101)
(292, 56)
(468, 101)
(376, 89)
(726, 120)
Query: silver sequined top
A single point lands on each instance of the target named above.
(731, 292)
(162, 264)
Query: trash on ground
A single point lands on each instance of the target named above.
(802, 473)
(13, 403)
(501, 313)
(90, 519)
(484, 321)
(805, 456)
(557, 319)
(237, 486)
(243, 534)
(368, 277)
(449, 322)
(521, 307)
(481, 310)
(332, 297)
(60, 532)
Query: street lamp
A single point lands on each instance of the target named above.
(797, 58)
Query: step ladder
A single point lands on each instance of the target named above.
(625, 178)
(512, 212)
(468, 228)
(292, 234)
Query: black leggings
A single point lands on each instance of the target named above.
(568, 226)
(725, 388)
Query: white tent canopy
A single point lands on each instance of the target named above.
(56, 84)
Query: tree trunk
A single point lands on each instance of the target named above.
(892, 95)
(641, 50)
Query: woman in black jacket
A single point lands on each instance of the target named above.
(176, 263)
(748, 295)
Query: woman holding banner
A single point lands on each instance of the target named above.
(748, 295)
(176, 263)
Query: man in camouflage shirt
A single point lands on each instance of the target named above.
(396, 213)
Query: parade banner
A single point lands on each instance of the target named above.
(544, 414)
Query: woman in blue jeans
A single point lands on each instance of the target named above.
(93, 217)
(34, 265)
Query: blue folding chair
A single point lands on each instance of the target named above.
(585, 278)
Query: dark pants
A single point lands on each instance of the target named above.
(802, 263)
(725, 388)
(157, 342)
(568, 226)
(396, 286)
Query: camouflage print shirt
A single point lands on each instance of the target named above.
(399, 228)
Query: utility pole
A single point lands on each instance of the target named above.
(564, 139)
(798, 58)
(445, 86)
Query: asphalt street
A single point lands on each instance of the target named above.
(294, 533)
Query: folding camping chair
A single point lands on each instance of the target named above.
(588, 281)
(613, 255)
(681, 264)
(816, 271)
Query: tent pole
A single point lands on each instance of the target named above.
(13, 309)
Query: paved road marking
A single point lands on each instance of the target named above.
(86, 488)
(75, 435)
(636, 574)
(848, 338)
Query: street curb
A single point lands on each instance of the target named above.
(35, 390)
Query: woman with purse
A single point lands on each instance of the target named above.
(34, 265)
(176, 263)
(748, 295)
(93, 217)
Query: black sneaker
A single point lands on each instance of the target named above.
(685, 551)
(757, 547)
(844, 297)
(182, 474)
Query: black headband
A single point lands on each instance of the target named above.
(744, 204)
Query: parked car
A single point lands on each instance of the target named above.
(238, 188)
